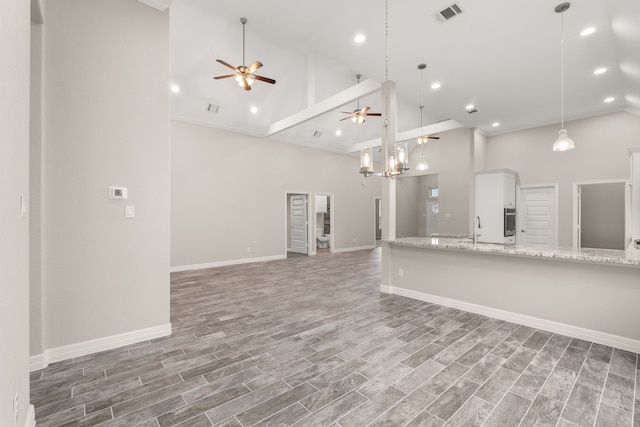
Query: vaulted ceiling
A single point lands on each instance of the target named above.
(501, 56)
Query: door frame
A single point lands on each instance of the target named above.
(331, 223)
(577, 215)
(520, 207)
(287, 214)
(375, 216)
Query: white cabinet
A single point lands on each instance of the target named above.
(495, 191)
(634, 154)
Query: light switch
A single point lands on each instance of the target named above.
(129, 211)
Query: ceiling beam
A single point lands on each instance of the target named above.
(161, 5)
(358, 91)
(433, 129)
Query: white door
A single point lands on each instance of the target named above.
(432, 218)
(298, 216)
(537, 222)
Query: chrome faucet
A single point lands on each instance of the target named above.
(476, 226)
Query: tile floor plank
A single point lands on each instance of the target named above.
(285, 343)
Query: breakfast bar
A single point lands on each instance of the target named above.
(592, 294)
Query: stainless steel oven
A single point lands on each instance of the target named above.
(509, 222)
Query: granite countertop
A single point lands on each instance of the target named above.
(631, 257)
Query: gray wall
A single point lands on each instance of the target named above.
(228, 193)
(105, 124)
(600, 154)
(602, 208)
(14, 231)
(407, 206)
(451, 158)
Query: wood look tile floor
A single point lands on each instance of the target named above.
(310, 341)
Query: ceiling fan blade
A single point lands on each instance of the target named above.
(346, 118)
(224, 77)
(226, 64)
(373, 114)
(433, 137)
(247, 86)
(347, 112)
(264, 79)
(364, 110)
(251, 68)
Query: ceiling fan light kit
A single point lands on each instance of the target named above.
(358, 116)
(243, 74)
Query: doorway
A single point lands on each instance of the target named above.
(297, 223)
(601, 218)
(323, 239)
(538, 215)
(377, 214)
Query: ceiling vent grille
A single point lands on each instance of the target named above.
(448, 13)
(317, 134)
(213, 108)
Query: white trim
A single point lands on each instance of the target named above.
(37, 362)
(31, 417)
(41, 361)
(215, 264)
(521, 319)
(357, 248)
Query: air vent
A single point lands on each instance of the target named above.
(317, 134)
(212, 108)
(473, 110)
(448, 13)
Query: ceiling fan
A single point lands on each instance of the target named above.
(243, 74)
(358, 115)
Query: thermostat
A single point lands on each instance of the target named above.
(117, 192)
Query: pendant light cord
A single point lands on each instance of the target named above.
(562, 69)
(386, 40)
(244, 23)
(421, 101)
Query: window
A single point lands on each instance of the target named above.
(433, 192)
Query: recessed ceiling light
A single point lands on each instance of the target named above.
(495, 124)
(609, 99)
(436, 85)
(254, 109)
(469, 107)
(587, 31)
(175, 88)
(338, 132)
(359, 38)
(600, 70)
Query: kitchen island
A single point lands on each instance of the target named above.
(592, 294)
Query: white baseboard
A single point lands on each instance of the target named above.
(224, 263)
(41, 361)
(358, 248)
(31, 417)
(521, 319)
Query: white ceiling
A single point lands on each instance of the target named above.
(503, 56)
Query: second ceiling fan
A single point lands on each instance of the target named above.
(243, 74)
(358, 115)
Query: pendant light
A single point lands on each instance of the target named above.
(563, 143)
(422, 164)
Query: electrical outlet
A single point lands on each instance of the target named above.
(16, 410)
(401, 272)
